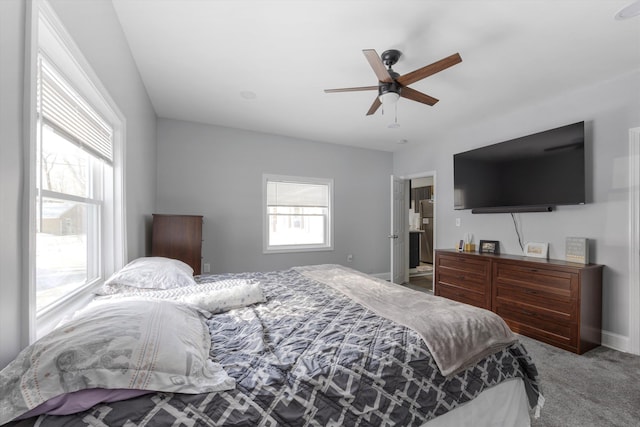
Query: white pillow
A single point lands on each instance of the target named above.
(149, 273)
(214, 297)
(125, 343)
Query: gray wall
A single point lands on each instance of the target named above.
(96, 30)
(217, 172)
(609, 109)
(11, 61)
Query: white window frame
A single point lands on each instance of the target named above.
(44, 31)
(270, 249)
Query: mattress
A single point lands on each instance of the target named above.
(499, 406)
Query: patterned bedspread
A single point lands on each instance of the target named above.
(311, 356)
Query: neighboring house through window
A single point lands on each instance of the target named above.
(297, 214)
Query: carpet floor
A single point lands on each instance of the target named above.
(601, 388)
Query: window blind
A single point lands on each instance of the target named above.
(297, 194)
(62, 108)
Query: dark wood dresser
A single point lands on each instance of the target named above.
(178, 237)
(553, 301)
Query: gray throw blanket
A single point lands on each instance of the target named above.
(457, 335)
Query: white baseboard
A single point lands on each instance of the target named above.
(383, 276)
(615, 341)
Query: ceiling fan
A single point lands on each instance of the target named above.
(392, 85)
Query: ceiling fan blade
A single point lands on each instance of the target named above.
(377, 65)
(414, 95)
(374, 107)
(351, 89)
(429, 70)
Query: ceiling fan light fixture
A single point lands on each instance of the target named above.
(389, 99)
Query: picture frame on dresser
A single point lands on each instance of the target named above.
(536, 249)
(489, 247)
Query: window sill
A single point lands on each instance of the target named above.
(296, 249)
(49, 317)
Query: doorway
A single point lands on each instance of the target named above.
(420, 202)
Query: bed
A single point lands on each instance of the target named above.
(315, 345)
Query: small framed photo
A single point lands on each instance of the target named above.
(536, 250)
(489, 247)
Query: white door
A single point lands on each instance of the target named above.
(397, 235)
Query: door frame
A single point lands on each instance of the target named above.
(406, 178)
(634, 241)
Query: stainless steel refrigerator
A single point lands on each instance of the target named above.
(426, 224)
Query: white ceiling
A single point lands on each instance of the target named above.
(197, 58)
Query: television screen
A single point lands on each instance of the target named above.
(536, 171)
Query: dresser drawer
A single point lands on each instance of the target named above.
(507, 294)
(535, 283)
(562, 336)
(481, 268)
(521, 311)
(463, 271)
(466, 296)
(462, 279)
(545, 325)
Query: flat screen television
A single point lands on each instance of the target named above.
(533, 173)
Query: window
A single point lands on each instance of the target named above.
(297, 214)
(76, 198)
(74, 164)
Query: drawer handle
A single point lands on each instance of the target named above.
(533, 270)
(461, 277)
(528, 313)
(530, 291)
